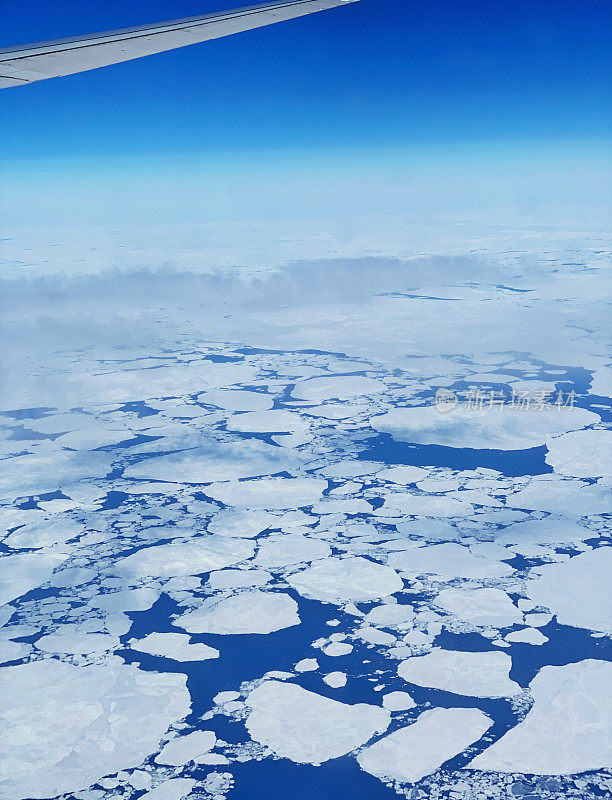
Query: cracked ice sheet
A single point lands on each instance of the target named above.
(64, 726)
(411, 753)
(306, 727)
(567, 729)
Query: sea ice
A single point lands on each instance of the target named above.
(476, 674)
(203, 554)
(26, 571)
(338, 387)
(582, 454)
(411, 753)
(290, 548)
(567, 729)
(306, 727)
(175, 646)
(398, 701)
(338, 580)
(183, 749)
(335, 679)
(481, 607)
(496, 428)
(173, 789)
(578, 591)
(64, 726)
(447, 561)
(247, 612)
(269, 493)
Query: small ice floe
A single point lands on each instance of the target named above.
(335, 679)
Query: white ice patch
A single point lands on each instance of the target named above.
(398, 701)
(496, 428)
(426, 505)
(236, 400)
(339, 387)
(247, 612)
(411, 753)
(447, 561)
(242, 524)
(476, 674)
(217, 462)
(269, 493)
(480, 607)
(75, 642)
(174, 789)
(277, 421)
(238, 578)
(183, 749)
(338, 580)
(44, 534)
(290, 548)
(187, 558)
(550, 530)
(582, 454)
(306, 727)
(527, 636)
(175, 646)
(64, 727)
(336, 680)
(21, 573)
(567, 729)
(578, 591)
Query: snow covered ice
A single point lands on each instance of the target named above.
(244, 546)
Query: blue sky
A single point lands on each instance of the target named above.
(377, 81)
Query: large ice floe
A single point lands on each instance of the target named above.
(309, 728)
(338, 528)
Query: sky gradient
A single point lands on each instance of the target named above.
(402, 87)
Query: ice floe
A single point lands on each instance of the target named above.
(476, 674)
(309, 728)
(582, 454)
(339, 580)
(186, 558)
(66, 726)
(175, 646)
(269, 493)
(480, 607)
(410, 753)
(567, 729)
(443, 562)
(247, 612)
(578, 591)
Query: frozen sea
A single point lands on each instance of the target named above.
(330, 525)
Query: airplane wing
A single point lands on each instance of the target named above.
(35, 62)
